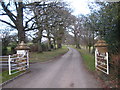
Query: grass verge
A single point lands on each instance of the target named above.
(45, 56)
(88, 58)
(4, 76)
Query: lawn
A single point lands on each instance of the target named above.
(48, 55)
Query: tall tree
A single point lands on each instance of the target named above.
(16, 16)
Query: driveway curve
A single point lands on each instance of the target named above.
(68, 71)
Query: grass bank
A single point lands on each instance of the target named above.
(4, 76)
(88, 58)
(45, 56)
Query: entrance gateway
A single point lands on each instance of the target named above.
(101, 56)
(16, 62)
(21, 60)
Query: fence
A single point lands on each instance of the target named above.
(14, 63)
(4, 63)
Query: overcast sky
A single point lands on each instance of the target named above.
(79, 6)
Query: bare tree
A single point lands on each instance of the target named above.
(17, 18)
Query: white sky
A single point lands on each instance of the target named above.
(79, 6)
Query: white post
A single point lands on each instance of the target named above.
(9, 64)
(95, 58)
(28, 59)
(107, 63)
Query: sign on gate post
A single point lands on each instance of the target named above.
(23, 51)
(101, 56)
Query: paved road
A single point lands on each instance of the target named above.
(66, 72)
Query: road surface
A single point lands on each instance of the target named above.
(68, 71)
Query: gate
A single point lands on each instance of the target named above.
(15, 63)
(101, 61)
(101, 56)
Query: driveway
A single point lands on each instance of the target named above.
(68, 71)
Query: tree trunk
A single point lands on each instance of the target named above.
(78, 46)
(54, 41)
(49, 43)
(19, 23)
(59, 41)
(21, 34)
(49, 39)
(89, 47)
(39, 46)
(76, 41)
(93, 50)
(59, 45)
(39, 41)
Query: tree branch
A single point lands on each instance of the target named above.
(26, 24)
(3, 14)
(11, 15)
(16, 6)
(47, 36)
(7, 23)
(31, 29)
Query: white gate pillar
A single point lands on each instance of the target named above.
(23, 49)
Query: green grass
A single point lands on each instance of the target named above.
(4, 76)
(45, 56)
(88, 59)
